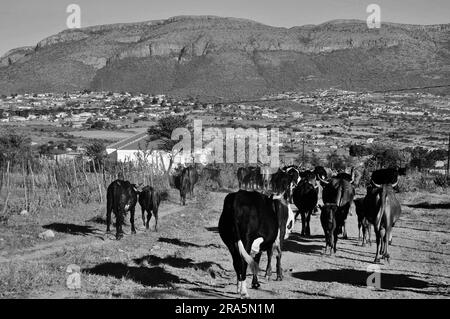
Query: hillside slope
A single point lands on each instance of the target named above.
(228, 57)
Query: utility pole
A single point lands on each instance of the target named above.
(448, 157)
(303, 153)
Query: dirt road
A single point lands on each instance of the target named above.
(187, 259)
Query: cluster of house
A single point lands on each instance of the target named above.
(84, 109)
(80, 109)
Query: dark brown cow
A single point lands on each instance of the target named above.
(149, 200)
(121, 197)
(305, 197)
(338, 196)
(382, 209)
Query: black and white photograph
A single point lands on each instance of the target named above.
(208, 151)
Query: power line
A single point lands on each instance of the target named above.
(337, 94)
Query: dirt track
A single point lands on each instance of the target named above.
(187, 259)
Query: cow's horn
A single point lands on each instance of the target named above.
(376, 185)
(395, 184)
(279, 196)
(322, 180)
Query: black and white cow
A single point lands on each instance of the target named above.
(250, 223)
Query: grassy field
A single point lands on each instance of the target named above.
(187, 259)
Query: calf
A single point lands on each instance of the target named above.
(192, 173)
(339, 192)
(363, 223)
(121, 197)
(305, 197)
(249, 224)
(149, 200)
(328, 221)
(185, 185)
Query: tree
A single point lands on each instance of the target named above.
(96, 152)
(386, 156)
(15, 148)
(359, 150)
(315, 160)
(335, 161)
(166, 125)
(163, 130)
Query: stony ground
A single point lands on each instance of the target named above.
(187, 259)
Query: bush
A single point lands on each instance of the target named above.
(442, 181)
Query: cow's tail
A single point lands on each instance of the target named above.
(248, 259)
(380, 214)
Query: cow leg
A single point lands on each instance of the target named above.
(335, 238)
(269, 264)
(243, 283)
(359, 232)
(330, 243)
(238, 263)
(369, 227)
(364, 230)
(308, 218)
(183, 198)
(119, 222)
(108, 217)
(143, 215)
(383, 242)
(344, 234)
(255, 283)
(133, 229)
(386, 248)
(155, 212)
(303, 224)
(377, 235)
(149, 216)
(279, 269)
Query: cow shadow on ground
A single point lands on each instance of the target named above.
(212, 229)
(176, 241)
(214, 269)
(426, 205)
(422, 229)
(72, 229)
(182, 293)
(359, 278)
(155, 276)
(298, 244)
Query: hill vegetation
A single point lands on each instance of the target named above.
(227, 57)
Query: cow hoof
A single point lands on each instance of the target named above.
(344, 237)
(256, 285)
(119, 236)
(133, 231)
(279, 278)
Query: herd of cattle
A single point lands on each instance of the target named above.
(258, 217)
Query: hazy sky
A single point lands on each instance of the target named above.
(25, 22)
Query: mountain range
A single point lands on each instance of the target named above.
(211, 56)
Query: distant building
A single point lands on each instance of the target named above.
(138, 147)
